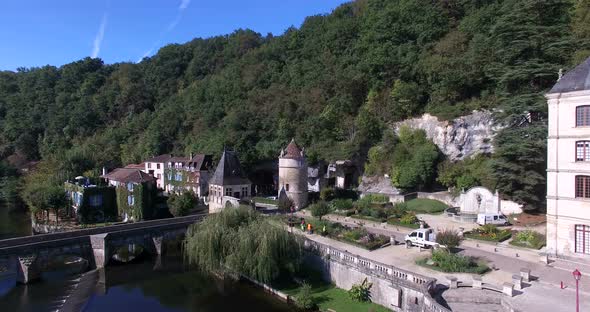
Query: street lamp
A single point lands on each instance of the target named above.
(577, 276)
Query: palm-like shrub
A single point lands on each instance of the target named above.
(361, 292)
(304, 298)
(320, 209)
(449, 238)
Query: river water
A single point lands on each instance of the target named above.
(144, 284)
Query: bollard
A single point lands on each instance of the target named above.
(495, 249)
(517, 255)
(526, 274)
(477, 284)
(508, 289)
(517, 281)
(453, 284)
(477, 245)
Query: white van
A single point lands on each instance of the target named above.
(492, 218)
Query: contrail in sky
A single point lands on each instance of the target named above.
(183, 5)
(99, 36)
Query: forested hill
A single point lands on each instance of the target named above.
(333, 84)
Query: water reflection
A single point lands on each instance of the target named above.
(14, 224)
(162, 284)
(128, 253)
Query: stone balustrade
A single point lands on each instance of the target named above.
(371, 267)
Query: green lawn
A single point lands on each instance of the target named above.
(328, 296)
(263, 200)
(425, 205)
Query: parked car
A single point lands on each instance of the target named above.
(492, 218)
(422, 238)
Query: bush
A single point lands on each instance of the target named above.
(409, 218)
(327, 194)
(449, 238)
(453, 263)
(529, 239)
(180, 205)
(320, 209)
(361, 292)
(375, 198)
(304, 299)
(399, 209)
(341, 204)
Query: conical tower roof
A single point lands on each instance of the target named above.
(292, 151)
(229, 171)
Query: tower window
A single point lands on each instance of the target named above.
(287, 187)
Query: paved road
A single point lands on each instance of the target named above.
(543, 294)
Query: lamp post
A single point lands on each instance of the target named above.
(577, 275)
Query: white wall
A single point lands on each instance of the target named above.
(564, 210)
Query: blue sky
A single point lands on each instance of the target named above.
(40, 32)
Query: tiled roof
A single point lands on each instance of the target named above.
(292, 151)
(229, 171)
(126, 175)
(135, 166)
(577, 79)
(160, 159)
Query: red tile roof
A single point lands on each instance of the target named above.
(292, 151)
(126, 175)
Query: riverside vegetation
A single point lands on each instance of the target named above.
(336, 84)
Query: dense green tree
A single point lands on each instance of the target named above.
(332, 83)
(181, 204)
(241, 241)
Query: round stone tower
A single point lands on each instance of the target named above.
(293, 174)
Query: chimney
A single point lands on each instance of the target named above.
(191, 157)
(104, 171)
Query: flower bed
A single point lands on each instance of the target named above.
(447, 262)
(489, 233)
(357, 236)
(529, 239)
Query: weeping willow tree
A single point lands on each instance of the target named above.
(241, 241)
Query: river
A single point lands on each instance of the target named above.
(144, 284)
(14, 224)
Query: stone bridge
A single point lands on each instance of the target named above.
(30, 255)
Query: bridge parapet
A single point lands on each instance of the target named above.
(31, 254)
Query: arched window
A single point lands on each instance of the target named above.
(582, 186)
(583, 116)
(582, 150)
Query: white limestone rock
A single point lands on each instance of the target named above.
(462, 137)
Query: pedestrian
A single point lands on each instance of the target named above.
(324, 229)
(309, 228)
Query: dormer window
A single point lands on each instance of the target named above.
(583, 116)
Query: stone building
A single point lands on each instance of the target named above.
(156, 166)
(136, 193)
(568, 165)
(228, 184)
(293, 175)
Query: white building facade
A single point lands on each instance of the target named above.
(228, 184)
(568, 165)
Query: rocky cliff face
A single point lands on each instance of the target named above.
(462, 137)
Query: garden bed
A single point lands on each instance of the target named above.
(357, 236)
(529, 239)
(447, 262)
(397, 222)
(489, 233)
